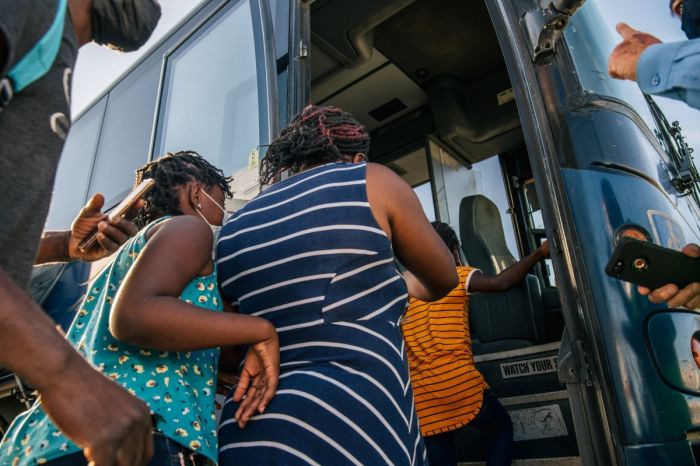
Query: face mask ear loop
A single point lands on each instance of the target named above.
(198, 207)
(215, 203)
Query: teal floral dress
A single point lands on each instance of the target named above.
(179, 387)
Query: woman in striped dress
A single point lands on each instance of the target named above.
(314, 254)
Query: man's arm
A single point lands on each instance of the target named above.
(107, 422)
(510, 277)
(671, 70)
(668, 70)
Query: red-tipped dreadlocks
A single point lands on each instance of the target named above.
(317, 135)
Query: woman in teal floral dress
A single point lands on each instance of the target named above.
(151, 322)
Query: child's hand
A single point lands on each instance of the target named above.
(258, 380)
(544, 249)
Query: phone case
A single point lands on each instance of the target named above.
(652, 266)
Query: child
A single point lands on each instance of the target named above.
(450, 392)
(150, 322)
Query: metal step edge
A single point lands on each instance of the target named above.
(566, 461)
(526, 351)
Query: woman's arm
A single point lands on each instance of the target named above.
(416, 244)
(147, 311)
(230, 357)
(510, 277)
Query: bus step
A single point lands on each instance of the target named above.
(566, 461)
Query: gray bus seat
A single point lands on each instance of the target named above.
(498, 321)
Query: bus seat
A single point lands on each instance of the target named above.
(498, 321)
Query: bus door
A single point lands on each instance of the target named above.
(602, 161)
(442, 114)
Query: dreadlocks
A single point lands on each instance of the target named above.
(316, 136)
(170, 172)
(447, 234)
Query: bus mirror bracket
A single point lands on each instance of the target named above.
(544, 26)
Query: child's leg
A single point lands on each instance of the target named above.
(441, 449)
(493, 419)
(167, 452)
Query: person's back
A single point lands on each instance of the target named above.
(443, 374)
(313, 254)
(450, 391)
(324, 275)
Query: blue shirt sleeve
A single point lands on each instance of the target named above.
(672, 70)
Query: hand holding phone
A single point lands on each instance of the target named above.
(119, 211)
(651, 266)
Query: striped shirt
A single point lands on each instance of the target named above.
(448, 388)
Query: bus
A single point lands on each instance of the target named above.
(502, 117)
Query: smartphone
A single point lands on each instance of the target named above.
(652, 266)
(119, 211)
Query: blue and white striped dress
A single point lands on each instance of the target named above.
(308, 255)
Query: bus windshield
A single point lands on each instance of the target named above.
(591, 41)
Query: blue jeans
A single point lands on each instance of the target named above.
(493, 420)
(166, 452)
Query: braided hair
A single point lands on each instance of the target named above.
(316, 136)
(447, 234)
(170, 172)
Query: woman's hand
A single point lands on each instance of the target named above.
(258, 380)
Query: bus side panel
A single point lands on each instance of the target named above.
(651, 411)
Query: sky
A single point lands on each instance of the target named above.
(98, 67)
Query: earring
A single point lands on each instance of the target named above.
(199, 206)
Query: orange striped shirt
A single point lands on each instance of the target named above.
(447, 387)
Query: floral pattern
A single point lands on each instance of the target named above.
(173, 384)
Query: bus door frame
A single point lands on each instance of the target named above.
(581, 359)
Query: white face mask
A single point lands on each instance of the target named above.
(215, 229)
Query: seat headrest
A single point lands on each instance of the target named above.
(482, 237)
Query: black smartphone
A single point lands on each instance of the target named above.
(652, 266)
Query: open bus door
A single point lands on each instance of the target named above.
(603, 159)
(528, 88)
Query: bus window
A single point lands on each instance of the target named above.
(591, 59)
(210, 94)
(126, 133)
(74, 168)
(279, 12)
(536, 226)
(454, 182)
(413, 169)
(425, 196)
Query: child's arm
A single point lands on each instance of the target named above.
(510, 277)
